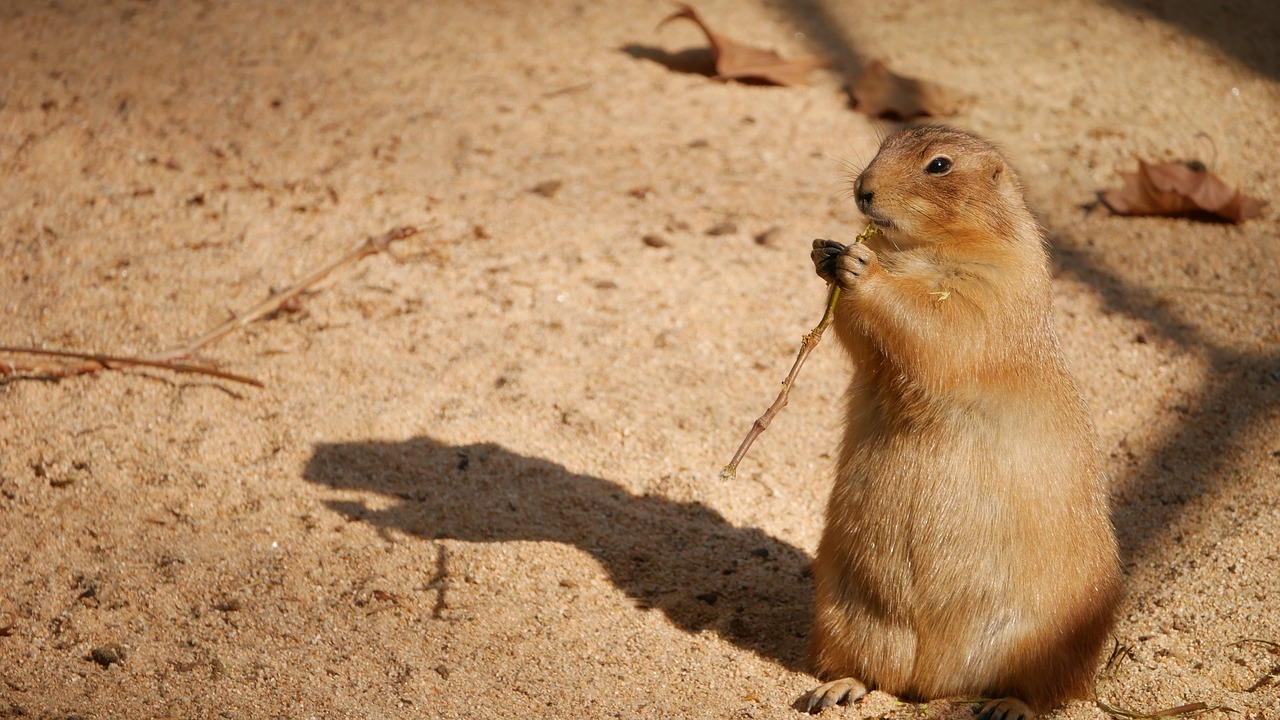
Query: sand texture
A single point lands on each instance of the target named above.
(480, 478)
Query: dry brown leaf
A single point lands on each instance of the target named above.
(879, 92)
(735, 61)
(1176, 189)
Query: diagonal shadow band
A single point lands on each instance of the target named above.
(683, 559)
(1194, 463)
(1247, 31)
(828, 36)
(1190, 463)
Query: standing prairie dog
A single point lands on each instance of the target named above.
(968, 548)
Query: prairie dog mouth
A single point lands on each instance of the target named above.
(879, 221)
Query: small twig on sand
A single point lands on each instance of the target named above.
(807, 344)
(1273, 645)
(173, 359)
(98, 361)
(370, 246)
(1268, 678)
(1182, 711)
(1119, 654)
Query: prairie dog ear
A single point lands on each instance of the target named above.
(995, 176)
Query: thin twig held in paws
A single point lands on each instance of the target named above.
(810, 341)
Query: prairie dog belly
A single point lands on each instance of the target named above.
(951, 529)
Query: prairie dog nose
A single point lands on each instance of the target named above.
(862, 195)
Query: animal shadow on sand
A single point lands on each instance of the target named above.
(681, 558)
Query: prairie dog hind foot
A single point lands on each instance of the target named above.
(1005, 709)
(844, 690)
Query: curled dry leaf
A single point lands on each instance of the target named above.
(735, 61)
(1177, 189)
(880, 92)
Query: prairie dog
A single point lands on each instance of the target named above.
(968, 548)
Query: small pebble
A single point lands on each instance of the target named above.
(547, 189)
(725, 228)
(107, 655)
(770, 238)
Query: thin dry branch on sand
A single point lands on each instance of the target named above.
(99, 361)
(1181, 711)
(173, 360)
(1120, 654)
(807, 344)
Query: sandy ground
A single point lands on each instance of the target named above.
(480, 481)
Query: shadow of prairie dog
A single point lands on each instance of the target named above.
(968, 548)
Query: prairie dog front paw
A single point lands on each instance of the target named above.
(842, 264)
(824, 257)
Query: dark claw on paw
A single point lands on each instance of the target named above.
(824, 255)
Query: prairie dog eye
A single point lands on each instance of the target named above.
(940, 165)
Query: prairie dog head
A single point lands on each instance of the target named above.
(934, 184)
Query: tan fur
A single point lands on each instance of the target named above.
(968, 548)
